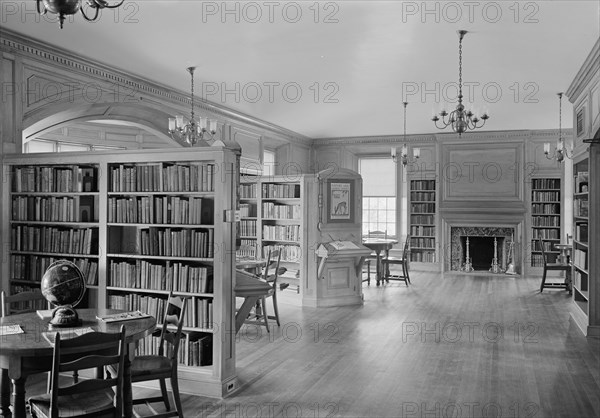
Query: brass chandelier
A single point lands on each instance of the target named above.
(560, 152)
(404, 150)
(192, 132)
(69, 7)
(460, 119)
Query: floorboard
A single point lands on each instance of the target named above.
(455, 346)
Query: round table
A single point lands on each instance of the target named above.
(250, 265)
(30, 352)
(378, 245)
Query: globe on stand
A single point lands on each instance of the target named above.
(63, 285)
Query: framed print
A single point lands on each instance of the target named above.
(340, 201)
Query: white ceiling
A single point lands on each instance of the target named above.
(359, 56)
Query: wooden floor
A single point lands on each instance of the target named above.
(455, 346)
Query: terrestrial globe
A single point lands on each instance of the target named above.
(63, 285)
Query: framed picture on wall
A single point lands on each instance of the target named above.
(340, 201)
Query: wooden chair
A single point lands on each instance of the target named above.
(402, 261)
(270, 274)
(553, 267)
(91, 397)
(163, 365)
(23, 302)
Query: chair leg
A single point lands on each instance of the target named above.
(543, 280)
(175, 387)
(5, 395)
(264, 312)
(276, 308)
(369, 273)
(405, 268)
(165, 394)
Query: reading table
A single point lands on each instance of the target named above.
(30, 352)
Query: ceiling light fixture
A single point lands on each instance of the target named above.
(561, 151)
(459, 119)
(404, 150)
(69, 7)
(192, 131)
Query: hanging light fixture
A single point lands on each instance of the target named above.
(460, 119)
(560, 152)
(404, 149)
(192, 131)
(64, 8)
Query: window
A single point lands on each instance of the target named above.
(379, 195)
(48, 145)
(268, 163)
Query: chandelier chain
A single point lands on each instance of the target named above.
(560, 116)
(460, 70)
(192, 73)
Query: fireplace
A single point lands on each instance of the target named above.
(481, 246)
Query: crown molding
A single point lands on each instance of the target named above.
(20, 45)
(375, 139)
(589, 68)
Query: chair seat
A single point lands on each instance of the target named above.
(557, 266)
(149, 365)
(76, 404)
(393, 260)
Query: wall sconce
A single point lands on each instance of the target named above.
(403, 157)
(561, 151)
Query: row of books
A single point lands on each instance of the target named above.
(199, 313)
(195, 348)
(282, 232)
(248, 191)
(545, 196)
(422, 219)
(545, 233)
(423, 256)
(248, 249)
(49, 239)
(422, 185)
(291, 253)
(422, 242)
(545, 221)
(581, 232)
(156, 209)
(176, 242)
(54, 209)
(248, 228)
(545, 208)
(545, 183)
(285, 191)
(176, 276)
(580, 258)
(189, 177)
(278, 211)
(422, 196)
(422, 207)
(580, 281)
(247, 210)
(422, 231)
(548, 245)
(581, 207)
(55, 179)
(33, 267)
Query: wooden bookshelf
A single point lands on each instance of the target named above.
(586, 251)
(273, 216)
(422, 221)
(140, 224)
(545, 219)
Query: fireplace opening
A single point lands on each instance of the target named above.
(481, 251)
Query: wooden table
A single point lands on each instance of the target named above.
(378, 245)
(250, 265)
(30, 352)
